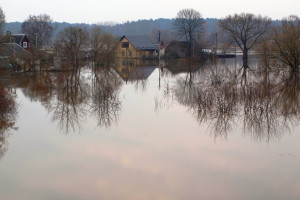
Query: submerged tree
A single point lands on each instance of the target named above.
(189, 24)
(286, 42)
(102, 45)
(70, 42)
(245, 30)
(39, 29)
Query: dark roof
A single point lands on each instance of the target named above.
(9, 49)
(18, 38)
(140, 42)
(178, 44)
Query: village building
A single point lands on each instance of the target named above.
(139, 47)
(177, 49)
(22, 40)
(13, 50)
(19, 39)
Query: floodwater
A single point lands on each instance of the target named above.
(185, 131)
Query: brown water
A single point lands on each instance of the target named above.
(144, 133)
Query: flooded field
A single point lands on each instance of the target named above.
(138, 131)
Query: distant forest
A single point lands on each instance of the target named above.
(140, 27)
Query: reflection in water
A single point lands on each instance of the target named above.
(68, 107)
(71, 96)
(166, 155)
(105, 102)
(8, 112)
(135, 71)
(265, 104)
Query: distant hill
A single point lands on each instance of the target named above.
(141, 27)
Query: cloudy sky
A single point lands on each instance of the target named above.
(97, 11)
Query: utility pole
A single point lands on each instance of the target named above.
(216, 43)
(36, 40)
(158, 59)
(158, 45)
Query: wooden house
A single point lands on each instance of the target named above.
(22, 40)
(19, 39)
(139, 47)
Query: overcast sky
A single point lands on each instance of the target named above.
(98, 11)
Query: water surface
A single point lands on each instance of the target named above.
(186, 131)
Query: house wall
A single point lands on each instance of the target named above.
(175, 51)
(131, 51)
(25, 39)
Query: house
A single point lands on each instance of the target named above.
(22, 40)
(12, 54)
(135, 47)
(177, 49)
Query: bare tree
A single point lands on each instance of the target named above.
(245, 30)
(189, 24)
(102, 46)
(286, 42)
(2, 21)
(70, 42)
(39, 29)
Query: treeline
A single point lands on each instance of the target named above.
(140, 27)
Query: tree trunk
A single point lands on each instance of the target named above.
(245, 58)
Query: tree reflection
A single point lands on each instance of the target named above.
(8, 113)
(71, 96)
(105, 102)
(69, 106)
(216, 101)
(265, 104)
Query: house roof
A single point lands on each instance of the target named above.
(178, 44)
(9, 49)
(140, 42)
(18, 38)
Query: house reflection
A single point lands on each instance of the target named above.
(136, 71)
(178, 66)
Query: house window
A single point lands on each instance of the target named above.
(125, 44)
(25, 44)
(123, 53)
(130, 53)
